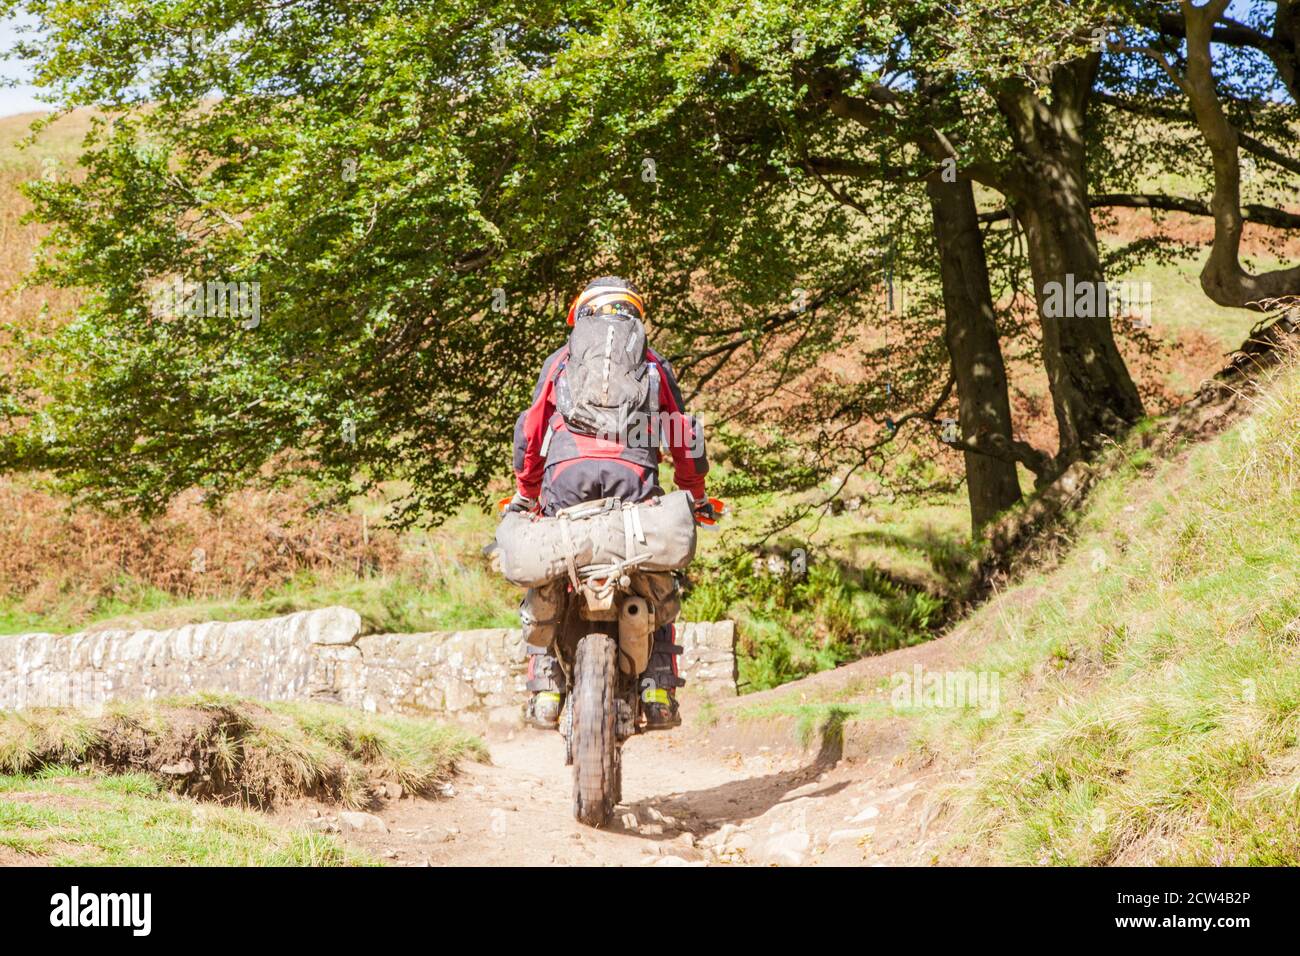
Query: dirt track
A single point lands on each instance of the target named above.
(741, 792)
(683, 804)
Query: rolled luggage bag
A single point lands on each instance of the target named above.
(530, 550)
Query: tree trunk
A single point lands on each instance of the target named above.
(1092, 392)
(1223, 278)
(970, 330)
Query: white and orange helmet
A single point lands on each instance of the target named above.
(608, 294)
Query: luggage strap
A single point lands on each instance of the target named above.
(655, 438)
(633, 530)
(570, 551)
(633, 535)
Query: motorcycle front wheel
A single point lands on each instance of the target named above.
(596, 757)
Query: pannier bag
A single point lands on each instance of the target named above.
(654, 535)
(542, 608)
(540, 612)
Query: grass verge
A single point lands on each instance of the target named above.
(1147, 698)
(62, 816)
(238, 751)
(1152, 703)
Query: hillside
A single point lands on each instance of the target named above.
(1134, 703)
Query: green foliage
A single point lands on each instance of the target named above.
(792, 624)
(377, 172)
(753, 467)
(415, 191)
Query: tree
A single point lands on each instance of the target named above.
(407, 196)
(375, 180)
(412, 194)
(971, 334)
(1092, 390)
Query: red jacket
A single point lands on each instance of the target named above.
(683, 434)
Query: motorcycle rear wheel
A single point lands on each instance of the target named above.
(596, 759)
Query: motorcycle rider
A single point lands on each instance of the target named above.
(557, 465)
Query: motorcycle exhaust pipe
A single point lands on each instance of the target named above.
(635, 634)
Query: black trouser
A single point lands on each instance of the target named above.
(579, 480)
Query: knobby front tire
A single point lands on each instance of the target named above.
(596, 769)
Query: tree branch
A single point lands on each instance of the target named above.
(1249, 143)
(1223, 278)
(1252, 212)
(1231, 32)
(1001, 448)
(828, 87)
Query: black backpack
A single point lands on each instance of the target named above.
(607, 381)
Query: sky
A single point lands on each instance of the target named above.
(20, 98)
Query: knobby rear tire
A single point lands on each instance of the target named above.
(596, 770)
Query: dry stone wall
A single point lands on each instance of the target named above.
(474, 676)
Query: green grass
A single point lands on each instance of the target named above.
(461, 597)
(64, 817)
(1151, 683)
(60, 142)
(239, 750)
(1179, 304)
(445, 584)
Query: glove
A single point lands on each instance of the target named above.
(703, 508)
(520, 503)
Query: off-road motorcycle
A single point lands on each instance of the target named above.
(603, 644)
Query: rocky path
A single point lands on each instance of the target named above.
(688, 800)
(740, 792)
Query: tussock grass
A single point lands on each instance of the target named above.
(1151, 689)
(237, 751)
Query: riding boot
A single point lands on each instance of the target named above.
(659, 682)
(547, 688)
